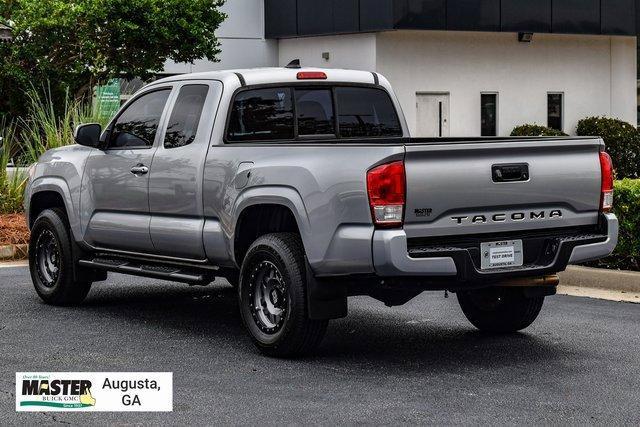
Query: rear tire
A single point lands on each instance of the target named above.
(51, 261)
(273, 301)
(499, 310)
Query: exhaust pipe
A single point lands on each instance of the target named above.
(550, 280)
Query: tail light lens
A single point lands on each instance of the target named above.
(386, 188)
(606, 169)
(311, 75)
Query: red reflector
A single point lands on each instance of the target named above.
(606, 170)
(386, 188)
(311, 75)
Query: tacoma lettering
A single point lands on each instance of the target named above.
(502, 217)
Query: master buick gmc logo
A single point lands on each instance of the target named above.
(503, 217)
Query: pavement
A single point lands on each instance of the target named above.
(419, 363)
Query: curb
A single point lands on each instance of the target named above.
(599, 278)
(13, 264)
(13, 252)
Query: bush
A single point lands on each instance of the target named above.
(535, 130)
(627, 208)
(622, 141)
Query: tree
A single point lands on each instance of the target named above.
(73, 44)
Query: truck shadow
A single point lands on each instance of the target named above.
(371, 337)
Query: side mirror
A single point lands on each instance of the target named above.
(88, 134)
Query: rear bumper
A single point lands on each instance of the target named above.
(549, 253)
(597, 250)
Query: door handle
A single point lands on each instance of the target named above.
(139, 170)
(510, 173)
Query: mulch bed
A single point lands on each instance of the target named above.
(13, 230)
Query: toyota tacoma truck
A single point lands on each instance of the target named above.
(303, 187)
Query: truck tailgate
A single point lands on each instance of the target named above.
(462, 188)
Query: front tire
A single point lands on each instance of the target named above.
(51, 261)
(272, 295)
(499, 310)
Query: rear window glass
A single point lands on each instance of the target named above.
(366, 112)
(261, 115)
(314, 111)
(269, 114)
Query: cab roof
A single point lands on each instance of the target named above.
(258, 76)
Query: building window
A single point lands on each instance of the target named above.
(554, 110)
(489, 114)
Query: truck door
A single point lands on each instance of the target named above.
(176, 176)
(115, 189)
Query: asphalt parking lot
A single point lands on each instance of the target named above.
(420, 363)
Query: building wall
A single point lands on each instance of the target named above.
(597, 74)
(241, 38)
(353, 51)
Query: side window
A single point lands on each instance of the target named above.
(366, 112)
(261, 115)
(185, 117)
(314, 112)
(136, 127)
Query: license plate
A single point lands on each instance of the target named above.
(503, 254)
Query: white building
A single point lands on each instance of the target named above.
(459, 67)
(242, 41)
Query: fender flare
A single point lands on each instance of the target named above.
(58, 185)
(273, 195)
(323, 301)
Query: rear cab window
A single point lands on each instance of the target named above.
(261, 115)
(302, 113)
(185, 117)
(366, 113)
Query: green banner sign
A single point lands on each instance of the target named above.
(108, 98)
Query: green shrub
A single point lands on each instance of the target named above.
(622, 141)
(626, 206)
(535, 130)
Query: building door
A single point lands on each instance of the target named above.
(432, 115)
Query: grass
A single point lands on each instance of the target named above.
(44, 128)
(11, 185)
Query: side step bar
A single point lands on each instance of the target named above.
(157, 271)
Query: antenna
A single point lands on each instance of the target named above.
(294, 64)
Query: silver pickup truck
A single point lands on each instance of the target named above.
(302, 187)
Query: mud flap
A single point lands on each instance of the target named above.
(539, 291)
(326, 299)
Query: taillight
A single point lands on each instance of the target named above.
(386, 188)
(606, 170)
(311, 75)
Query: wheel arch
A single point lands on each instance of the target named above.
(263, 210)
(50, 193)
